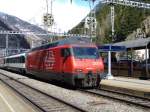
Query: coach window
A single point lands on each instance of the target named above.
(19, 60)
(10, 60)
(22, 60)
(14, 60)
(7, 61)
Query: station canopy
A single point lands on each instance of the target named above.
(140, 43)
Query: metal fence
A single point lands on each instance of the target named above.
(13, 42)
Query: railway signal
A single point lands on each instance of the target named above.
(48, 19)
(90, 21)
(45, 19)
(90, 24)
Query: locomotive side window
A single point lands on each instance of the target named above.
(65, 52)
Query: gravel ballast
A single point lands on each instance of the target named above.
(87, 102)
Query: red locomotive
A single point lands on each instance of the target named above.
(75, 61)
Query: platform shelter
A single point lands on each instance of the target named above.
(109, 48)
(142, 67)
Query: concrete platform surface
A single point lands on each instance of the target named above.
(11, 102)
(128, 85)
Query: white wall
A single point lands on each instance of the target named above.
(142, 54)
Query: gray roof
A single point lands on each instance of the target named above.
(140, 43)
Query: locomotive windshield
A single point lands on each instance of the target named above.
(85, 52)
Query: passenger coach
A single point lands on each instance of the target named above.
(15, 62)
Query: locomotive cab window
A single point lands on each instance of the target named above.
(85, 52)
(65, 52)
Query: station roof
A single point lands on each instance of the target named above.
(140, 43)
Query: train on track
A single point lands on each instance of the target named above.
(75, 61)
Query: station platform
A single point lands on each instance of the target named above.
(11, 102)
(127, 85)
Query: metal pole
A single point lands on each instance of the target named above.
(90, 21)
(112, 20)
(18, 45)
(6, 52)
(51, 5)
(131, 62)
(109, 63)
(109, 75)
(146, 55)
(51, 14)
(47, 6)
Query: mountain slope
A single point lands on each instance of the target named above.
(12, 23)
(17, 24)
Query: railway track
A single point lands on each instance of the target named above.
(144, 102)
(43, 101)
(78, 101)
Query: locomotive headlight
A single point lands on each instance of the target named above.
(78, 70)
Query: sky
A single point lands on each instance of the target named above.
(66, 15)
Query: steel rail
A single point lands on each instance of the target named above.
(131, 99)
(6, 78)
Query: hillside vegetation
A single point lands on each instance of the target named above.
(127, 21)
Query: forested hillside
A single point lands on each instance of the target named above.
(127, 21)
